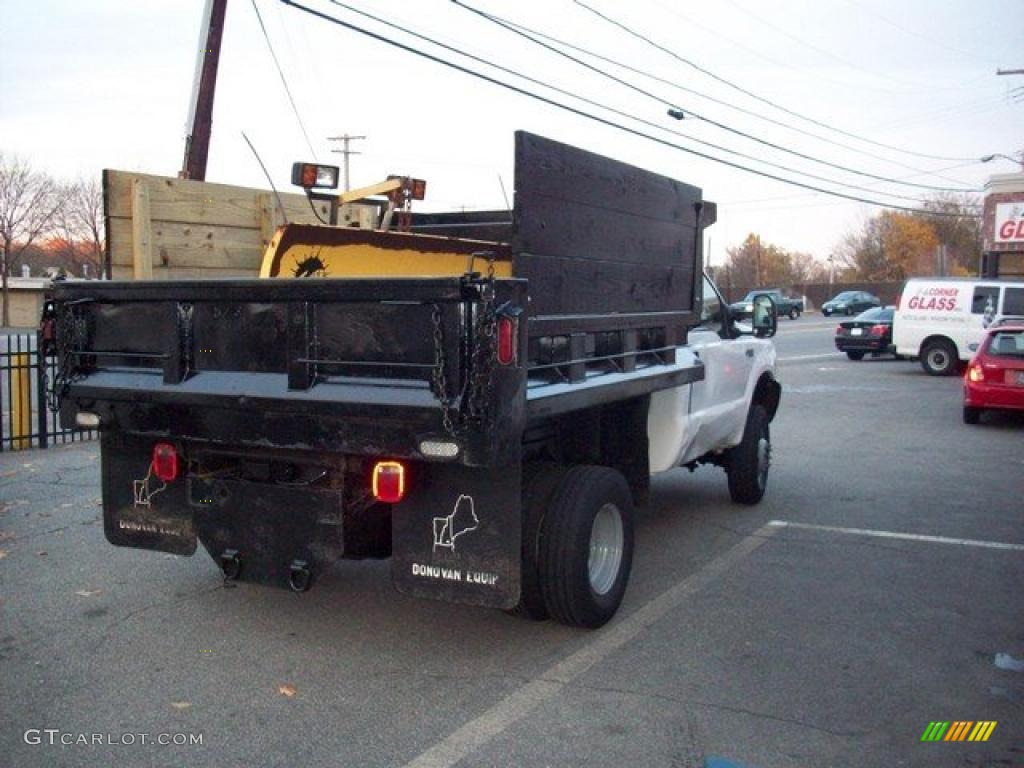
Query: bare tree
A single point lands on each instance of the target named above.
(29, 203)
(80, 225)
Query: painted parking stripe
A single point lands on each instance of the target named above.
(901, 536)
(477, 732)
(824, 356)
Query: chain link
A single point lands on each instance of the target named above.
(70, 334)
(484, 349)
(481, 363)
(440, 378)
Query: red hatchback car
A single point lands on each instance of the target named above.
(995, 375)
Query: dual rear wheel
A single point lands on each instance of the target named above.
(577, 544)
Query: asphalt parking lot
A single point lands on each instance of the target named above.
(877, 589)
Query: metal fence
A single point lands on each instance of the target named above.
(26, 420)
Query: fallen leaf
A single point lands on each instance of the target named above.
(41, 553)
(66, 505)
(287, 690)
(181, 704)
(3, 554)
(88, 592)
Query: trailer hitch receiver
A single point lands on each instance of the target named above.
(299, 577)
(230, 564)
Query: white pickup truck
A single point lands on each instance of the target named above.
(724, 418)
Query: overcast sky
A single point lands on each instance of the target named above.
(93, 84)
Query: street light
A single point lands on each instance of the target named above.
(990, 158)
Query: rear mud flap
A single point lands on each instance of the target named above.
(139, 509)
(456, 536)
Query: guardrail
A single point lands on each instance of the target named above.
(26, 420)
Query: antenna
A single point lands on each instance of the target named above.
(504, 194)
(280, 205)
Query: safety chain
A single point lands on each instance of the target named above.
(482, 361)
(486, 330)
(74, 328)
(440, 379)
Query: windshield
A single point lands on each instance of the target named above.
(844, 296)
(754, 294)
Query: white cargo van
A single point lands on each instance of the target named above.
(942, 320)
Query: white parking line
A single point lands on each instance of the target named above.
(822, 356)
(901, 536)
(524, 700)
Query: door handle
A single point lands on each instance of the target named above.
(750, 353)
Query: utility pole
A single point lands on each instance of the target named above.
(200, 116)
(345, 151)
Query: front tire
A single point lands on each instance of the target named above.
(748, 463)
(939, 358)
(586, 546)
(854, 355)
(972, 415)
(794, 313)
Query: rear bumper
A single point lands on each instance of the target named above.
(981, 395)
(863, 344)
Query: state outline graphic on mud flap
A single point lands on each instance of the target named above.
(461, 521)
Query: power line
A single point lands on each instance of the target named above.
(830, 54)
(691, 113)
(720, 102)
(284, 80)
(755, 96)
(613, 110)
(582, 113)
(915, 33)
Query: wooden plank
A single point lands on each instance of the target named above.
(191, 246)
(585, 286)
(142, 231)
(268, 216)
(183, 273)
(201, 202)
(201, 225)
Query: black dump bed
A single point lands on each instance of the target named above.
(605, 282)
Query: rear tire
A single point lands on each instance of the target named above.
(939, 358)
(586, 546)
(539, 483)
(971, 414)
(748, 463)
(854, 355)
(849, 311)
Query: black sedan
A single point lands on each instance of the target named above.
(869, 332)
(850, 303)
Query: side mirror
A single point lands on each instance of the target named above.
(765, 320)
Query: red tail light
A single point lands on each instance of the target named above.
(975, 372)
(388, 481)
(165, 462)
(507, 340)
(878, 330)
(840, 330)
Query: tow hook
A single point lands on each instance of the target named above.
(230, 564)
(299, 577)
